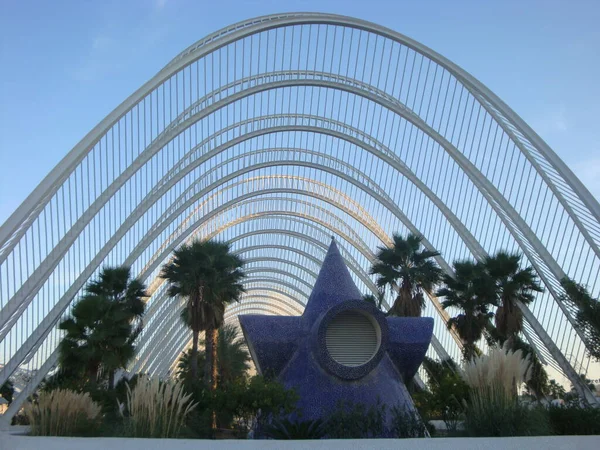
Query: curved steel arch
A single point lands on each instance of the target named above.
(50, 320)
(438, 347)
(158, 337)
(156, 351)
(158, 302)
(361, 274)
(283, 262)
(353, 266)
(280, 272)
(404, 220)
(495, 199)
(179, 335)
(44, 240)
(169, 359)
(243, 29)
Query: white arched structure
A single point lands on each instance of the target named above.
(275, 134)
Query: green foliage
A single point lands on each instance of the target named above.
(513, 284)
(538, 377)
(409, 268)
(497, 281)
(574, 420)
(233, 361)
(209, 276)
(376, 300)
(295, 430)
(7, 390)
(446, 396)
(102, 328)
(64, 378)
(356, 421)
(507, 418)
(258, 394)
(407, 424)
(242, 404)
(585, 380)
(555, 390)
(472, 291)
(588, 314)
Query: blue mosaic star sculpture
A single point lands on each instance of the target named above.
(294, 348)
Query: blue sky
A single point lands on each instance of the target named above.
(67, 64)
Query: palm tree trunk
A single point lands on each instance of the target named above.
(93, 375)
(467, 351)
(194, 305)
(215, 363)
(212, 337)
(194, 355)
(215, 360)
(209, 356)
(111, 379)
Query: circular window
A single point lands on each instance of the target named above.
(352, 338)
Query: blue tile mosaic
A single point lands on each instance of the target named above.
(293, 348)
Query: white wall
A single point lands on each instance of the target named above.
(15, 442)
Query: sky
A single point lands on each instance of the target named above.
(64, 65)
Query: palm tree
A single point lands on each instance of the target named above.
(538, 380)
(471, 291)
(589, 383)
(233, 357)
(409, 270)
(7, 390)
(375, 299)
(209, 276)
(588, 313)
(556, 390)
(513, 285)
(103, 326)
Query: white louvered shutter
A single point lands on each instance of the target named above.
(351, 339)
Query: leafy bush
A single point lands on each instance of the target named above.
(407, 424)
(242, 405)
(298, 430)
(156, 408)
(356, 421)
(445, 400)
(508, 418)
(63, 413)
(253, 403)
(574, 420)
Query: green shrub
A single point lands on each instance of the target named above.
(295, 430)
(507, 418)
(574, 420)
(63, 413)
(447, 394)
(241, 405)
(407, 424)
(356, 421)
(251, 404)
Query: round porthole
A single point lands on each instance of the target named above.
(352, 338)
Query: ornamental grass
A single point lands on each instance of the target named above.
(501, 368)
(156, 408)
(63, 412)
(494, 408)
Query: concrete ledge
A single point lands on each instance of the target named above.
(16, 442)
